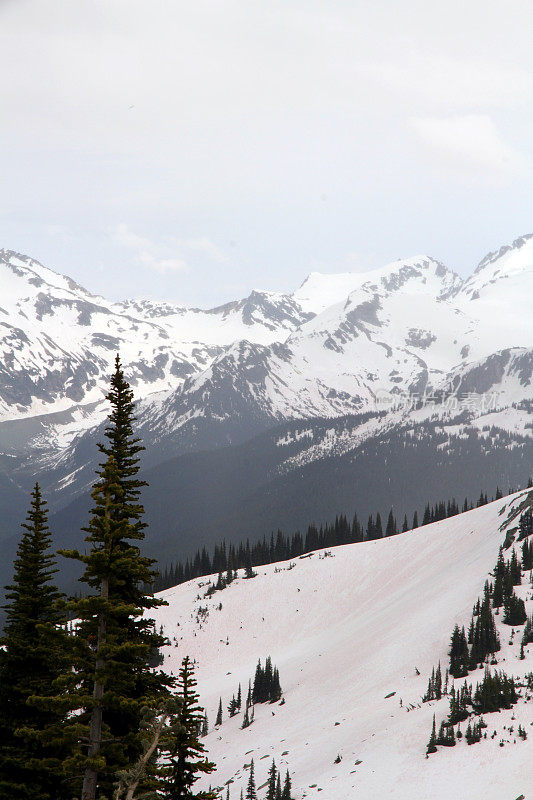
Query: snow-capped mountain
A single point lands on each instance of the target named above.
(301, 386)
(355, 633)
(406, 331)
(58, 341)
(345, 339)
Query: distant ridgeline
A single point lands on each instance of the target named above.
(283, 547)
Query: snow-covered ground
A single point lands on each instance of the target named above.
(349, 630)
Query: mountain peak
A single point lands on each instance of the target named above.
(516, 245)
(511, 265)
(37, 275)
(321, 290)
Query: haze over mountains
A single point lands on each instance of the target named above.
(273, 410)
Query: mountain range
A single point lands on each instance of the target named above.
(358, 391)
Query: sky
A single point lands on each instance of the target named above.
(192, 151)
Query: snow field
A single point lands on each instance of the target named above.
(345, 631)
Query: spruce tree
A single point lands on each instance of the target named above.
(459, 655)
(218, 720)
(272, 774)
(31, 660)
(114, 641)
(432, 744)
(251, 793)
(183, 754)
(514, 610)
(287, 788)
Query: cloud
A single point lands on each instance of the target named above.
(470, 144)
(205, 246)
(162, 265)
(147, 254)
(122, 235)
(173, 256)
(446, 83)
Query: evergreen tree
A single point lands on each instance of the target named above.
(483, 635)
(218, 720)
(278, 788)
(250, 789)
(500, 581)
(154, 723)
(31, 660)
(432, 744)
(514, 610)
(525, 527)
(272, 775)
(459, 704)
(233, 706)
(249, 573)
(114, 642)
(287, 788)
(459, 655)
(183, 754)
(527, 636)
(495, 691)
(527, 554)
(515, 570)
(267, 688)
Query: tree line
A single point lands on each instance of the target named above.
(283, 547)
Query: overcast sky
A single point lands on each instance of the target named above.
(191, 151)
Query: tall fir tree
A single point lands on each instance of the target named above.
(432, 744)
(287, 787)
(31, 659)
(218, 720)
(115, 640)
(183, 754)
(251, 793)
(459, 655)
(271, 788)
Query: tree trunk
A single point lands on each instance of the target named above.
(132, 781)
(90, 778)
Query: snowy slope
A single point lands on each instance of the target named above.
(347, 630)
